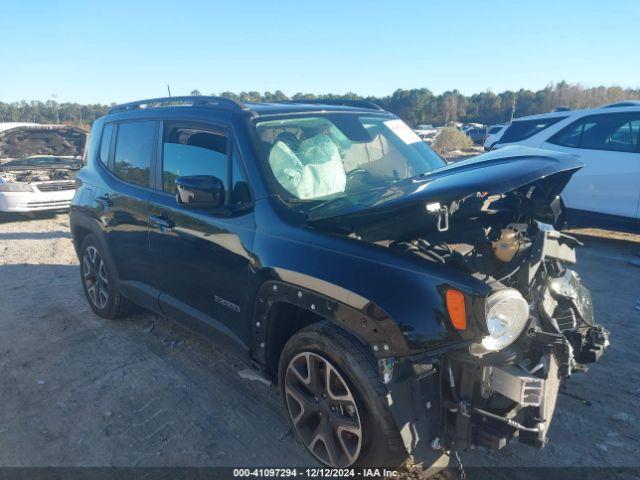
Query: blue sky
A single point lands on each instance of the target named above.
(113, 51)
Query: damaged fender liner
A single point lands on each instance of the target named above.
(415, 401)
(368, 322)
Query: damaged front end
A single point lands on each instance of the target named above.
(467, 395)
(493, 397)
(528, 328)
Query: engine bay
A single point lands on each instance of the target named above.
(38, 175)
(494, 254)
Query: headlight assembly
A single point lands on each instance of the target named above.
(507, 313)
(15, 187)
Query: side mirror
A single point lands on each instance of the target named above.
(200, 191)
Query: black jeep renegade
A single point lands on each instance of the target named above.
(404, 306)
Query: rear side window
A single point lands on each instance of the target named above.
(523, 129)
(134, 150)
(571, 136)
(191, 151)
(615, 132)
(105, 143)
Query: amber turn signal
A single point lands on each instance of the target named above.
(456, 309)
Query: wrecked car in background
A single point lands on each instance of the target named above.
(38, 164)
(404, 306)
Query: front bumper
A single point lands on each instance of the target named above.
(491, 404)
(35, 201)
(454, 400)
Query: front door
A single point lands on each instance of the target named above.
(202, 257)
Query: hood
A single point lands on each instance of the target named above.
(19, 141)
(492, 174)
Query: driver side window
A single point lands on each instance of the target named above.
(188, 151)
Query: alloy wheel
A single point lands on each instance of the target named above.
(94, 274)
(323, 410)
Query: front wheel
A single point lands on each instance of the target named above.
(98, 282)
(335, 401)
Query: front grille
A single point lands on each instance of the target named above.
(49, 203)
(55, 186)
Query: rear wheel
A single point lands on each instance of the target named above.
(97, 281)
(335, 401)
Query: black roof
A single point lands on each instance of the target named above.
(255, 108)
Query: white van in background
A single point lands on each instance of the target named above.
(606, 192)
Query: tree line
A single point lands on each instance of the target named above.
(415, 106)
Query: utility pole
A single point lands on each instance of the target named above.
(55, 106)
(513, 107)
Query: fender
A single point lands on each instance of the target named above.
(356, 314)
(142, 294)
(89, 223)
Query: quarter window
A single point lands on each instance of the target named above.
(625, 138)
(105, 143)
(191, 151)
(240, 192)
(572, 135)
(134, 150)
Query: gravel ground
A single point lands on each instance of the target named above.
(81, 391)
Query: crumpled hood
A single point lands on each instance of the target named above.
(494, 173)
(30, 140)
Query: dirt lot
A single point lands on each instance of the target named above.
(80, 391)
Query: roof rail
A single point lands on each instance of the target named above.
(193, 100)
(346, 103)
(624, 103)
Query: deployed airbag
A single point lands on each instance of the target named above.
(315, 170)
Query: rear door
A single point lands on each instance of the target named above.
(609, 146)
(123, 197)
(202, 257)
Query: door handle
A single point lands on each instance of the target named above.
(161, 222)
(104, 200)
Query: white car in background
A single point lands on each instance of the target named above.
(606, 192)
(427, 133)
(38, 165)
(426, 129)
(494, 133)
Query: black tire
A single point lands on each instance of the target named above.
(99, 286)
(380, 444)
